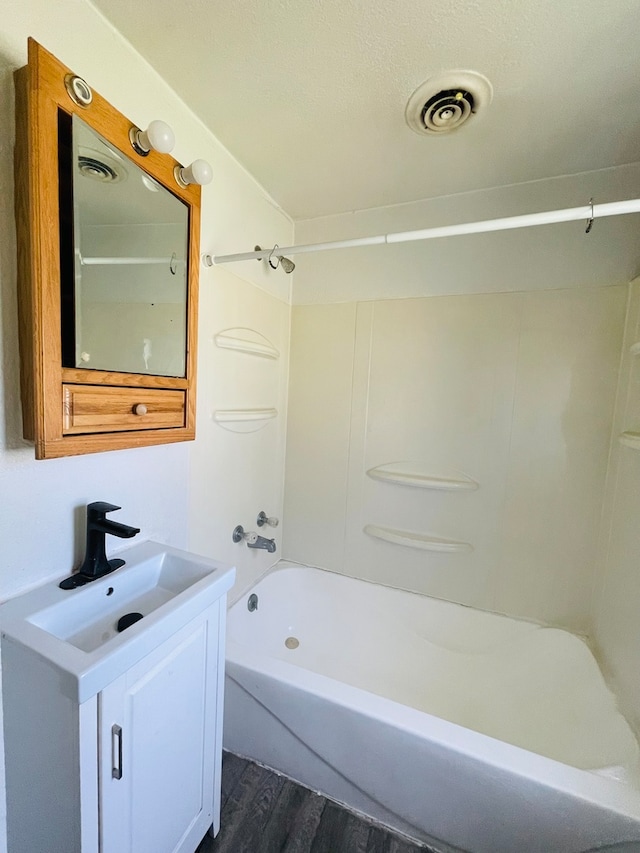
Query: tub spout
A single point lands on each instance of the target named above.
(266, 544)
(253, 540)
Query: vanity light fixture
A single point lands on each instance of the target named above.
(78, 90)
(158, 136)
(199, 172)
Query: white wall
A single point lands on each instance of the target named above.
(150, 483)
(237, 474)
(41, 521)
(617, 595)
(514, 390)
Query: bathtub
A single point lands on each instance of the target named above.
(466, 729)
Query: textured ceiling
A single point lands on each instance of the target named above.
(309, 95)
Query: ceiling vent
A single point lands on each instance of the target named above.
(99, 166)
(446, 102)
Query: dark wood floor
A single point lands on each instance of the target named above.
(263, 812)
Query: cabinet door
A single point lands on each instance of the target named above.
(157, 746)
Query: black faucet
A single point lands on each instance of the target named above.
(95, 564)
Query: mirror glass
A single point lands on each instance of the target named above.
(124, 251)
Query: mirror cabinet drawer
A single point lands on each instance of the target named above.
(96, 408)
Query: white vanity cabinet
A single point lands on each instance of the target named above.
(159, 747)
(117, 748)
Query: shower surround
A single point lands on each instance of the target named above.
(466, 448)
(512, 391)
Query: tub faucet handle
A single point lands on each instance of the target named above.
(241, 535)
(263, 519)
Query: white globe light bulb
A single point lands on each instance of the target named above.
(199, 172)
(160, 136)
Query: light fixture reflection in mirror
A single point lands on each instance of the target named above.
(124, 256)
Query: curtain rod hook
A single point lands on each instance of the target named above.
(590, 220)
(277, 259)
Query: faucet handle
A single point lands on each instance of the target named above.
(102, 506)
(240, 535)
(263, 519)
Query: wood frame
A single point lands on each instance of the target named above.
(40, 94)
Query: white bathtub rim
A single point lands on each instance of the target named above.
(283, 564)
(586, 785)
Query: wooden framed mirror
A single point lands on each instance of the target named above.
(108, 257)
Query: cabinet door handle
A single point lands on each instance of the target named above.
(116, 752)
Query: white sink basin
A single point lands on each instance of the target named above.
(88, 621)
(76, 629)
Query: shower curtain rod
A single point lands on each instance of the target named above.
(588, 212)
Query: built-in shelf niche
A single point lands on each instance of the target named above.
(418, 476)
(250, 342)
(244, 420)
(420, 541)
(242, 339)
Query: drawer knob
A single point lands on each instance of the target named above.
(140, 409)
